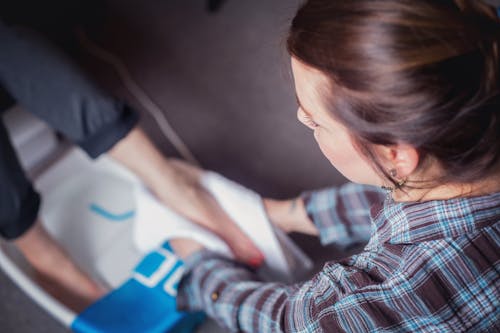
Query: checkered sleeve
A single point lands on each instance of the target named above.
(334, 300)
(342, 214)
(231, 294)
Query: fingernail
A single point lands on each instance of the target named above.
(256, 261)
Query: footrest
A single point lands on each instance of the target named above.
(144, 303)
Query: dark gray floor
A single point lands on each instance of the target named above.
(19, 314)
(224, 82)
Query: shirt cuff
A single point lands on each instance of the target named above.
(317, 205)
(206, 276)
(342, 214)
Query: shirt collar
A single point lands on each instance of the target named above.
(397, 222)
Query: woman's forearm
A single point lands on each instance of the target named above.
(290, 215)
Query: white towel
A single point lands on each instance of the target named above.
(155, 223)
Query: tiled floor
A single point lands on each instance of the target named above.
(223, 81)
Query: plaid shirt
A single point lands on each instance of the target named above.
(428, 267)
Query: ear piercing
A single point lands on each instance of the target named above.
(393, 173)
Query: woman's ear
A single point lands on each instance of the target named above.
(402, 158)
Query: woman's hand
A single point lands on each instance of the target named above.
(177, 185)
(290, 215)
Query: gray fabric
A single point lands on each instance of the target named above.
(19, 203)
(6, 101)
(44, 81)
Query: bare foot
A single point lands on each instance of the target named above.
(201, 207)
(56, 272)
(71, 299)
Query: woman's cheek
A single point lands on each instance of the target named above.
(325, 144)
(338, 152)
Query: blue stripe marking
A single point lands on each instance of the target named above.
(110, 216)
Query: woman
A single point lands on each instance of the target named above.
(403, 95)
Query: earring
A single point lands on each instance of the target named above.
(401, 183)
(393, 172)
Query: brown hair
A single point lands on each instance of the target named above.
(424, 73)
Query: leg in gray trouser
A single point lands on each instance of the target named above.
(46, 83)
(43, 80)
(19, 203)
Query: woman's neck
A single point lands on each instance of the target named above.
(449, 191)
